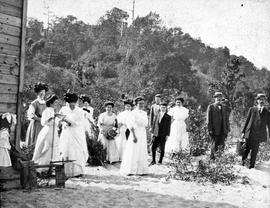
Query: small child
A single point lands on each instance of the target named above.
(6, 121)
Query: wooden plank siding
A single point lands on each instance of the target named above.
(6, 29)
(8, 107)
(11, 40)
(9, 88)
(13, 15)
(10, 20)
(15, 3)
(9, 59)
(9, 49)
(8, 79)
(8, 98)
(21, 76)
(9, 69)
(10, 10)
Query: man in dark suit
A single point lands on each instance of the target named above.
(218, 124)
(254, 130)
(161, 130)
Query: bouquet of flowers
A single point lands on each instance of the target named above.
(110, 133)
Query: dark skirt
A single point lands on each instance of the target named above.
(32, 132)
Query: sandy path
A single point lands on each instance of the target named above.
(104, 187)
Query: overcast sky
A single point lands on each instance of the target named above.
(241, 25)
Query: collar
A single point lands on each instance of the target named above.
(41, 101)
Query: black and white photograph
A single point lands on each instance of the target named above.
(134, 103)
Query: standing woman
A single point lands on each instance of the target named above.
(72, 139)
(47, 145)
(86, 102)
(178, 138)
(34, 113)
(135, 154)
(124, 132)
(88, 114)
(107, 121)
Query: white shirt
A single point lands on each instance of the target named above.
(161, 116)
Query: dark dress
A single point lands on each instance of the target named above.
(35, 125)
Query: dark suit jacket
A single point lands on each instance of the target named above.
(217, 120)
(255, 125)
(162, 128)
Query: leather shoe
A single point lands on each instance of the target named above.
(152, 163)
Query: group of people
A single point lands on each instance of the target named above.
(60, 135)
(253, 133)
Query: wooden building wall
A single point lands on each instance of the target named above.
(12, 55)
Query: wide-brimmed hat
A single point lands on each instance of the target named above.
(218, 94)
(85, 98)
(138, 99)
(51, 98)
(40, 86)
(128, 102)
(180, 98)
(70, 97)
(260, 96)
(108, 103)
(158, 95)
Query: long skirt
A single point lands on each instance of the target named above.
(32, 132)
(178, 138)
(5, 158)
(4, 149)
(121, 141)
(47, 147)
(73, 147)
(135, 154)
(112, 154)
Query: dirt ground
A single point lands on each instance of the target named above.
(105, 187)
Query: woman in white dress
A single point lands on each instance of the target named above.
(88, 114)
(72, 139)
(47, 145)
(135, 154)
(178, 138)
(107, 120)
(124, 132)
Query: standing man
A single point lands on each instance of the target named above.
(254, 130)
(161, 131)
(218, 124)
(154, 109)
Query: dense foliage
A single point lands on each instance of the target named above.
(111, 57)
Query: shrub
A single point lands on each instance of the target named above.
(203, 170)
(198, 134)
(264, 152)
(96, 151)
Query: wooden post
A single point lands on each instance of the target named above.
(21, 75)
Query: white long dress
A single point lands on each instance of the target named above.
(178, 138)
(104, 122)
(88, 122)
(135, 154)
(121, 140)
(4, 148)
(73, 141)
(47, 144)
